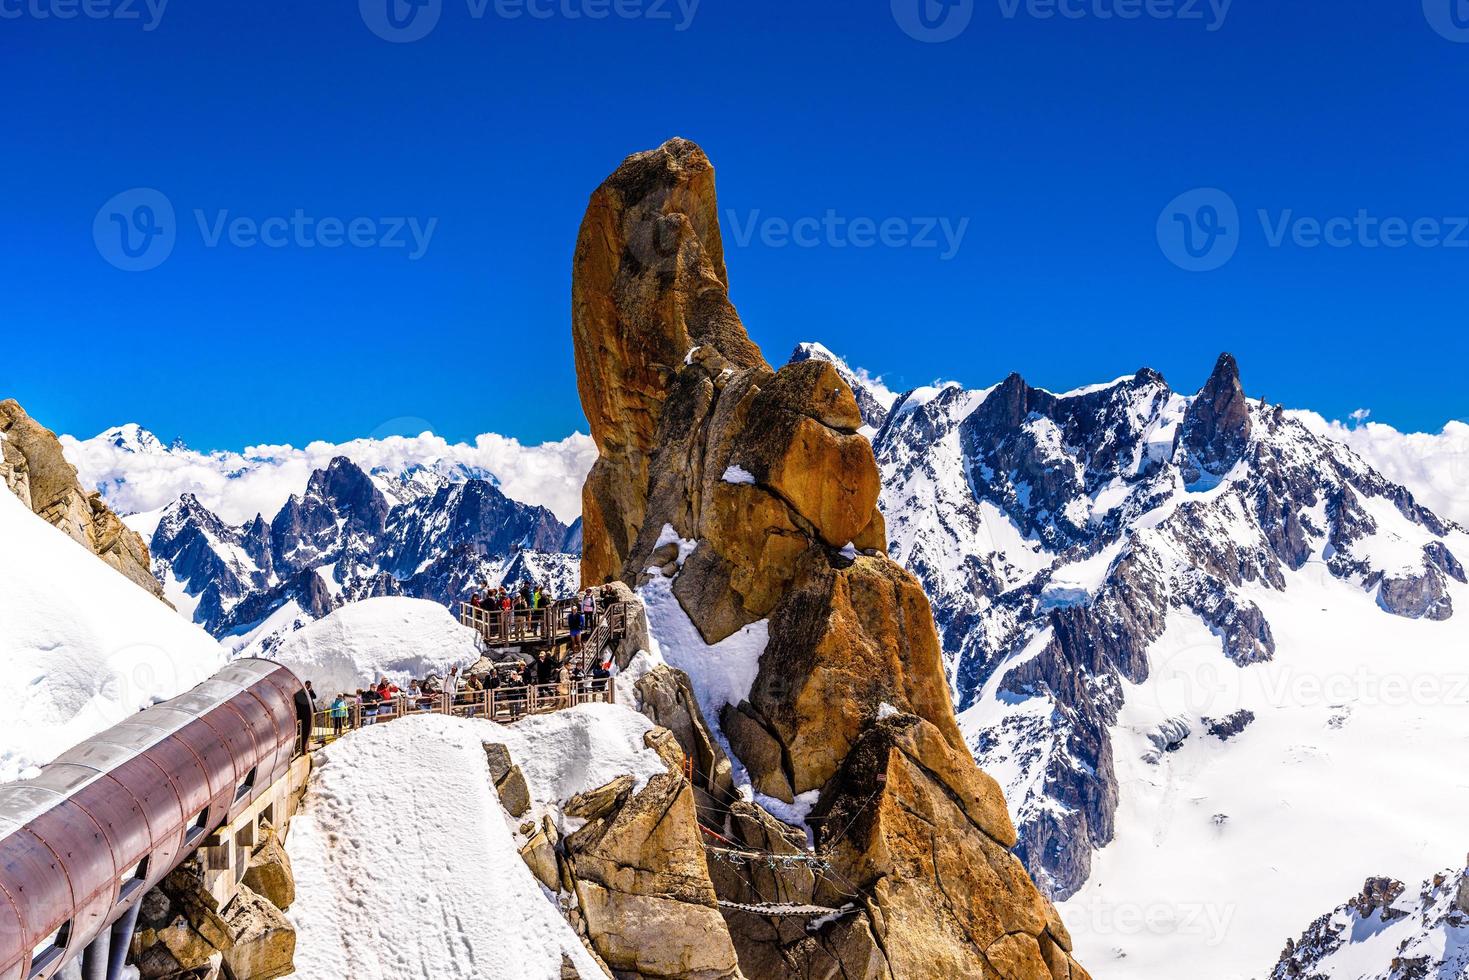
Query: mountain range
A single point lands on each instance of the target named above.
(350, 535)
(1173, 624)
(1170, 622)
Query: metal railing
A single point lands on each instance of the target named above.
(507, 627)
(552, 626)
(503, 705)
(611, 625)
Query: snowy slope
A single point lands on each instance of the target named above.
(394, 636)
(406, 863)
(82, 646)
(1434, 465)
(1352, 765)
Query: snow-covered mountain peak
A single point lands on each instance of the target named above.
(343, 539)
(1387, 932)
(1117, 571)
(133, 438)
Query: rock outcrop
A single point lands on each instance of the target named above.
(184, 932)
(1387, 932)
(35, 469)
(765, 472)
(1216, 428)
(632, 874)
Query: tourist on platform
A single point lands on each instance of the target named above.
(339, 715)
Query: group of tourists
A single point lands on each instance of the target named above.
(518, 606)
(551, 678)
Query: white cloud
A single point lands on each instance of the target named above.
(136, 474)
(1435, 466)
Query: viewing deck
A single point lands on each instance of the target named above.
(504, 705)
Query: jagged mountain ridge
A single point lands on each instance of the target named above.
(1059, 535)
(343, 539)
(1387, 933)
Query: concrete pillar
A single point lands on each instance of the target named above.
(96, 956)
(122, 941)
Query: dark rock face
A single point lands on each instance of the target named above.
(1017, 441)
(306, 588)
(475, 515)
(1225, 729)
(1217, 428)
(341, 541)
(1421, 596)
(341, 511)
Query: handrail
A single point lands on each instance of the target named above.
(503, 627)
(507, 627)
(611, 625)
(503, 705)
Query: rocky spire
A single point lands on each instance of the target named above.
(766, 474)
(1216, 428)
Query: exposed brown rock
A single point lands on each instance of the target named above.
(264, 942)
(665, 696)
(642, 884)
(35, 469)
(269, 873)
(649, 284)
(184, 932)
(765, 471)
(509, 780)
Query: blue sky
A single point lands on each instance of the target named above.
(1054, 143)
